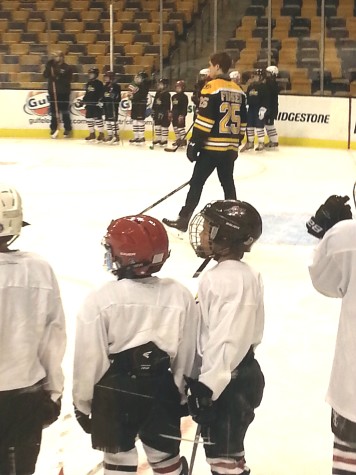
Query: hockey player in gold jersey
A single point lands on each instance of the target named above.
(220, 122)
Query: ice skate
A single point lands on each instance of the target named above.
(90, 137)
(156, 142)
(181, 143)
(54, 134)
(248, 146)
(141, 141)
(67, 134)
(181, 224)
(100, 138)
(260, 147)
(272, 145)
(133, 141)
(163, 143)
(114, 140)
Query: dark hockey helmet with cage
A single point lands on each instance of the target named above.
(141, 77)
(136, 246)
(259, 74)
(180, 85)
(163, 84)
(93, 73)
(109, 76)
(229, 225)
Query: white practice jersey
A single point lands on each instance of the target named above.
(333, 273)
(32, 324)
(127, 313)
(230, 296)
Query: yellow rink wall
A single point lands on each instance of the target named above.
(304, 121)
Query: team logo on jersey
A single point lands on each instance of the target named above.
(76, 105)
(37, 103)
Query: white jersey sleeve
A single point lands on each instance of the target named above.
(232, 312)
(333, 273)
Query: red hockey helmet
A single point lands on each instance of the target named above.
(136, 245)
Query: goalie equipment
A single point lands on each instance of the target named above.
(135, 246)
(273, 70)
(224, 225)
(10, 212)
(93, 73)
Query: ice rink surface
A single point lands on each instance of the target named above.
(71, 190)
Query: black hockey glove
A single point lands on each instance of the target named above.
(193, 151)
(331, 212)
(83, 420)
(200, 403)
(51, 409)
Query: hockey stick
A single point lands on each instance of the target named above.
(354, 193)
(55, 134)
(153, 135)
(195, 448)
(201, 267)
(165, 197)
(168, 149)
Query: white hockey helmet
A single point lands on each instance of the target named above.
(204, 72)
(273, 70)
(235, 76)
(10, 211)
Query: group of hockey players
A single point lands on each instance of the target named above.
(101, 102)
(148, 354)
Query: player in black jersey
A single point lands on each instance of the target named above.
(93, 110)
(272, 109)
(178, 113)
(214, 143)
(161, 112)
(111, 101)
(138, 94)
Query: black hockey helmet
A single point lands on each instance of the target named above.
(110, 75)
(259, 73)
(163, 83)
(94, 72)
(230, 225)
(141, 77)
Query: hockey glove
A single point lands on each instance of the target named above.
(83, 420)
(51, 409)
(331, 212)
(261, 113)
(200, 403)
(100, 104)
(193, 151)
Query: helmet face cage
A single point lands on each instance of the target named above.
(163, 84)
(231, 224)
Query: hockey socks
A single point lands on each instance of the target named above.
(344, 458)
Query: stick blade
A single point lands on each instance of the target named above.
(168, 149)
(55, 134)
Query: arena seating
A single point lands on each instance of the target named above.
(30, 30)
(296, 38)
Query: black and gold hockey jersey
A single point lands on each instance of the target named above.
(221, 116)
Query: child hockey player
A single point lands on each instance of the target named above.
(135, 339)
(257, 107)
(33, 340)
(93, 111)
(138, 94)
(272, 91)
(203, 78)
(160, 112)
(230, 295)
(111, 102)
(333, 275)
(178, 113)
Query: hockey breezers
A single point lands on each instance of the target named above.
(174, 149)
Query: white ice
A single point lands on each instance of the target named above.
(71, 190)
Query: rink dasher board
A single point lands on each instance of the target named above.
(302, 120)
